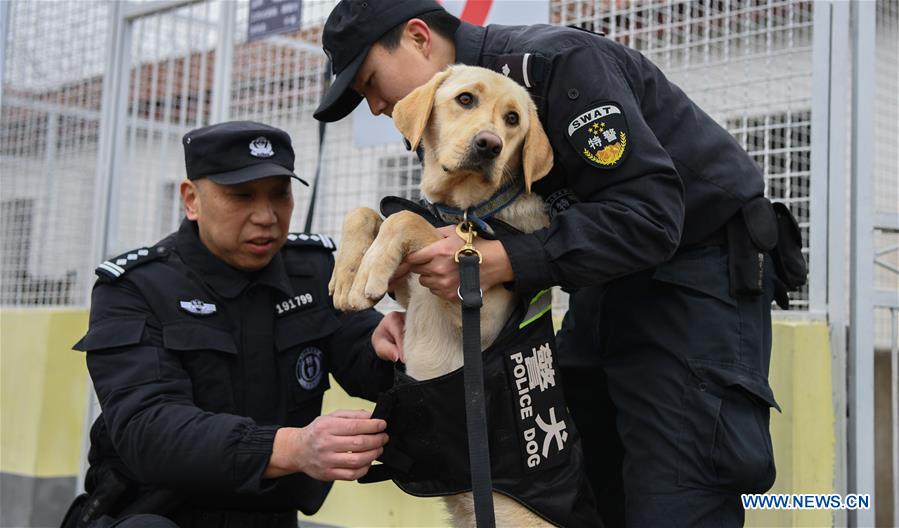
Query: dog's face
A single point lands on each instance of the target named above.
(479, 129)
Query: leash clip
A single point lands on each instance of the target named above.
(466, 231)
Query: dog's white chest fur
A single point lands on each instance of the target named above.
(433, 338)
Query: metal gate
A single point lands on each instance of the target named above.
(96, 96)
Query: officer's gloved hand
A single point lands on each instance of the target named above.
(337, 446)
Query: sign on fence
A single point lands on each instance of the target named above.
(269, 17)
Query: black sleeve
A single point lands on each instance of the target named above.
(353, 360)
(631, 211)
(146, 398)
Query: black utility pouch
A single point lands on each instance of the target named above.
(789, 263)
(750, 234)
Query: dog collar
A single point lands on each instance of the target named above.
(480, 213)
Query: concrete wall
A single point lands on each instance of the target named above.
(44, 398)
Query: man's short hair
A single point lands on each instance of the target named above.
(440, 22)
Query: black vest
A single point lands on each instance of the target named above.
(535, 450)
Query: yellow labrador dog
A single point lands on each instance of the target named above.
(479, 131)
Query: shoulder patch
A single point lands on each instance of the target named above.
(310, 240)
(600, 135)
(114, 268)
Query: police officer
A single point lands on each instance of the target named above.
(656, 208)
(210, 353)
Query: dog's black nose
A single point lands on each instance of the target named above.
(487, 145)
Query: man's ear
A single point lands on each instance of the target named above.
(411, 113)
(419, 34)
(537, 159)
(190, 197)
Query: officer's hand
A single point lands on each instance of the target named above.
(439, 272)
(337, 446)
(387, 339)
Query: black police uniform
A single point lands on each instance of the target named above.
(197, 364)
(643, 185)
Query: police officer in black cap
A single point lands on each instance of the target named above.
(210, 352)
(656, 211)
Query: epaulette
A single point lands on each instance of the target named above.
(310, 240)
(527, 69)
(114, 268)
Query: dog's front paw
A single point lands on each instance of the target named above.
(371, 280)
(376, 286)
(340, 286)
(357, 299)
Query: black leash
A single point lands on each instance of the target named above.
(473, 375)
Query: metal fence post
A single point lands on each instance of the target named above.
(112, 114)
(224, 57)
(836, 123)
(818, 228)
(861, 332)
(5, 12)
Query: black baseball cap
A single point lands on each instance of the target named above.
(237, 152)
(352, 27)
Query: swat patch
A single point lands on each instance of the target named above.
(540, 413)
(600, 135)
(309, 368)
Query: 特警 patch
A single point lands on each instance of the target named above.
(600, 135)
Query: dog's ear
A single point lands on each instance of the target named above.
(537, 159)
(411, 113)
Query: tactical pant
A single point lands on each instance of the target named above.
(674, 413)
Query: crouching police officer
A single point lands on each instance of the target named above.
(658, 210)
(210, 352)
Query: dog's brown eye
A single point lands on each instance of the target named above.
(512, 119)
(465, 99)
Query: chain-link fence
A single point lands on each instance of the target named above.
(747, 64)
(49, 122)
(76, 147)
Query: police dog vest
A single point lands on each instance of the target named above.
(535, 450)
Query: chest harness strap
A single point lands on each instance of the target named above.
(470, 293)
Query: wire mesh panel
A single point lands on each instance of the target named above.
(169, 92)
(279, 81)
(49, 123)
(748, 64)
